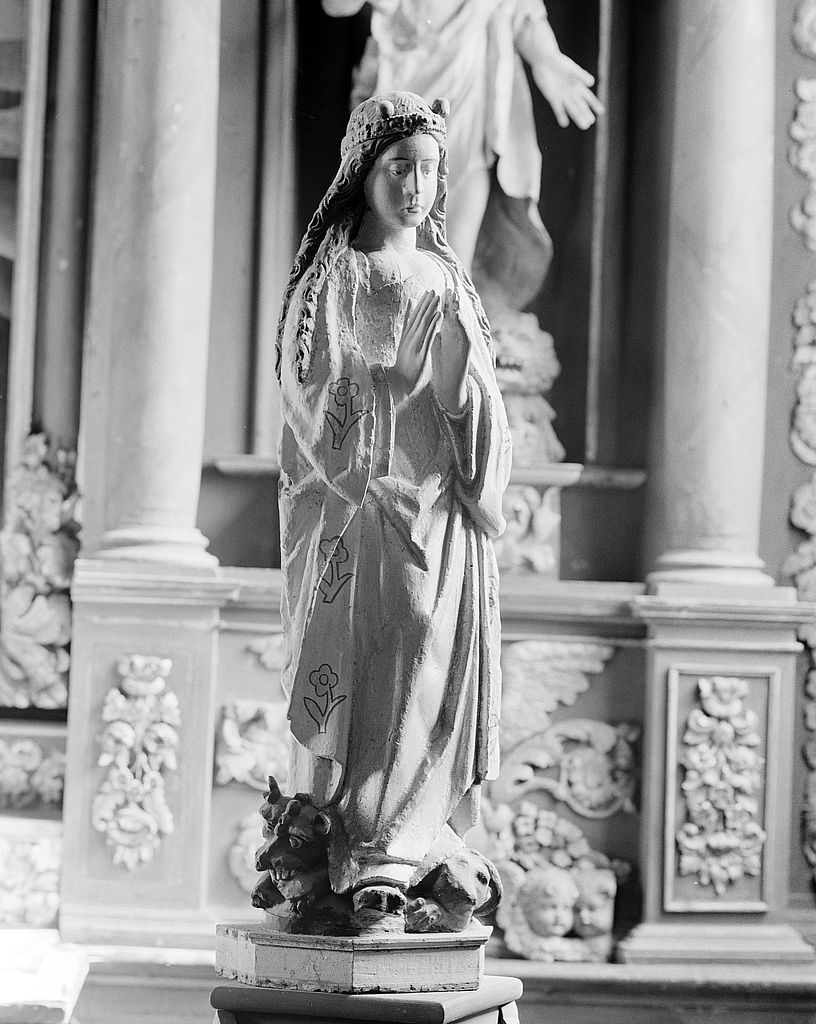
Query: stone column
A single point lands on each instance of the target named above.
(148, 325)
(721, 639)
(147, 597)
(709, 454)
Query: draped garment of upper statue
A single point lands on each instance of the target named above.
(390, 605)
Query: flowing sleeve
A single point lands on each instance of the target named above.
(341, 415)
(479, 436)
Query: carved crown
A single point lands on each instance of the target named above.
(395, 113)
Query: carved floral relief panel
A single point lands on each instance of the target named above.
(38, 546)
(715, 789)
(32, 773)
(29, 877)
(138, 749)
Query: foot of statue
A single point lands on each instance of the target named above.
(379, 908)
(385, 899)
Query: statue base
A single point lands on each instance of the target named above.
(493, 1001)
(426, 962)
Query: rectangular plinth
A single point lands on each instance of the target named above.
(445, 962)
(492, 995)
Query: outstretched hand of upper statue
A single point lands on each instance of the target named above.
(422, 323)
(567, 87)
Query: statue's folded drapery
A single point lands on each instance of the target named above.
(386, 522)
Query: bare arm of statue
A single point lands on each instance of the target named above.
(565, 85)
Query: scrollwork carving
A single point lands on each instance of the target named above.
(29, 775)
(721, 840)
(591, 767)
(252, 743)
(29, 880)
(538, 675)
(38, 546)
(138, 747)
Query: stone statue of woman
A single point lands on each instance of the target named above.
(394, 457)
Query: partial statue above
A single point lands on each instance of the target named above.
(473, 52)
(394, 459)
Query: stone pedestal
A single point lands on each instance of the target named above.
(717, 769)
(435, 962)
(492, 1003)
(138, 788)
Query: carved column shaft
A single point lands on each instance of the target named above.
(709, 457)
(148, 326)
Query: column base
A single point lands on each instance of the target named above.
(722, 568)
(167, 545)
(666, 942)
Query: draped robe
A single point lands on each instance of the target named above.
(390, 605)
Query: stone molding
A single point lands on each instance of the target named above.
(138, 747)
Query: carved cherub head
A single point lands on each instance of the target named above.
(547, 900)
(595, 905)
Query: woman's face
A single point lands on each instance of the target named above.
(401, 186)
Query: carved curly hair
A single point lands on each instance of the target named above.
(337, 220)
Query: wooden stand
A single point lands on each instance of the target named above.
(492, 1003)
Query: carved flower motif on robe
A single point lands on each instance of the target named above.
(344, 392)
(334, 579)
(324, 681)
